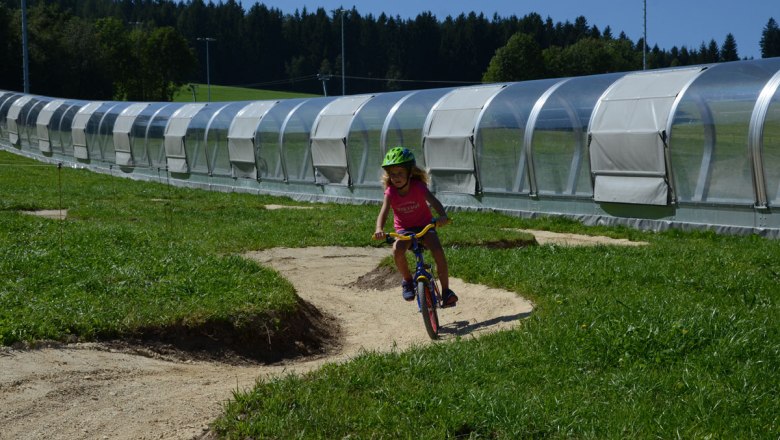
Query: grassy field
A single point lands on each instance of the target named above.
(228, 93)
(676, 339)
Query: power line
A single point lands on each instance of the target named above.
(279, 81)
(365, 78)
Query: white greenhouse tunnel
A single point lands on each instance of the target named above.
(691, 147)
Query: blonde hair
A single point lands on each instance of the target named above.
(416, 173)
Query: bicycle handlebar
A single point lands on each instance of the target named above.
(420, 234)
(397, 236)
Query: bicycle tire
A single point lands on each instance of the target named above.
(428, 308)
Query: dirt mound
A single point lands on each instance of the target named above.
(381, 278)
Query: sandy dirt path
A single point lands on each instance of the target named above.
(91, 391)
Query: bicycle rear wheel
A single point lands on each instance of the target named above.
(428, 309)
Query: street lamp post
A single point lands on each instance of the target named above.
(343, 63)
(25, 56)
(208, 68)
(644, 35)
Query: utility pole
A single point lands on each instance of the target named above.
(208, 67)
(25, 56)
(343, 63)
(644, 36)
(324, 77)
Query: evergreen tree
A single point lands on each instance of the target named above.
(78, 51)
(728, 52)
(770, 40)
(713, 52)
(10, 50)
(607, 34)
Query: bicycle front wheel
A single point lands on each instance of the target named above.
(428, 309)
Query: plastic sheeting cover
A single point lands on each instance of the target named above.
(241, 137)
(13, 118)
(329, 139)
(44, 119)
(627, 137)
(122, 127)
(448, 142)
(175, 132)
(78, 128)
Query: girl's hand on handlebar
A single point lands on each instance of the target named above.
(441, 221)
(379, 235)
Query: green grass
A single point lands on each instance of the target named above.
(228, 93)
(138, 255)
(676, 339)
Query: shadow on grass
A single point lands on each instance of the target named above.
(462, 328)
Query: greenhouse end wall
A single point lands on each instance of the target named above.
(691, 148)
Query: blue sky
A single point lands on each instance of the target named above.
(669, 22)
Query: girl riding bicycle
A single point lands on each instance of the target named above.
(407, 193)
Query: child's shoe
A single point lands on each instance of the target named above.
(408, 287)
(450, 299)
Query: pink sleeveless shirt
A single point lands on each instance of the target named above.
(411, 209)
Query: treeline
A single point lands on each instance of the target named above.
(142, 49)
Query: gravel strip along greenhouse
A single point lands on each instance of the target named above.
(692, 147)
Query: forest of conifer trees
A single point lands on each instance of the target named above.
(143, 49)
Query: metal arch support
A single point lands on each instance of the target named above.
(427, 127)
(282, 130)
(594, 114)
(389, 118)
(478, 142)
(21, 102)
(756, 139)
(710, 138)
(429, 118)
(196, 150)
(213, 157)
(576, 159)
(366, 145)
(257, 161)
(146, 136)
(528, 138)
(27, 125)
(279, 169)
(77, 107)
(668, 136)
(100, 125)
(3, 101)
(67, 108)
(56, 106)
(474, 131)
(364, 159)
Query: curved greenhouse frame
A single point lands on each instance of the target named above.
(692, 147)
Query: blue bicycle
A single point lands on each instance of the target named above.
(429, 297)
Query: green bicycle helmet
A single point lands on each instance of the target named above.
(399, 156)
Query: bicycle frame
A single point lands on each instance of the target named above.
(429, 299)
(424, 271)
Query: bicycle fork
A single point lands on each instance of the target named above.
(423, 274)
